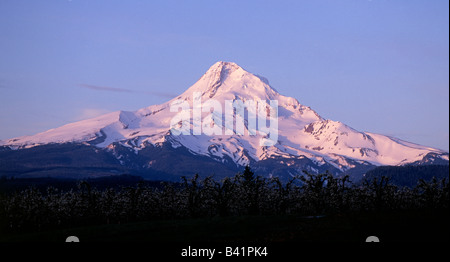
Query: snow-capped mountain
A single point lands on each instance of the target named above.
(304, 141)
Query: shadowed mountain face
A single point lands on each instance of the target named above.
(143, 142)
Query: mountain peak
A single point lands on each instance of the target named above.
(223, 65)
(229, 79)
(221, 70)
(228, 68)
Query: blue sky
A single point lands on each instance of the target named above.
(379, 66)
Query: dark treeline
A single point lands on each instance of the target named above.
(117, 182)
(409, 175)
(243, 194)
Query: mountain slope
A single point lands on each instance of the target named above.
(304, 140)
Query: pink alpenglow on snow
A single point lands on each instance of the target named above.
(234, 117)
(212, 122)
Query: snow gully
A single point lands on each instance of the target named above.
(262, 118)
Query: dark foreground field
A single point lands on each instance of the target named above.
(401, 226)
(243, 210)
